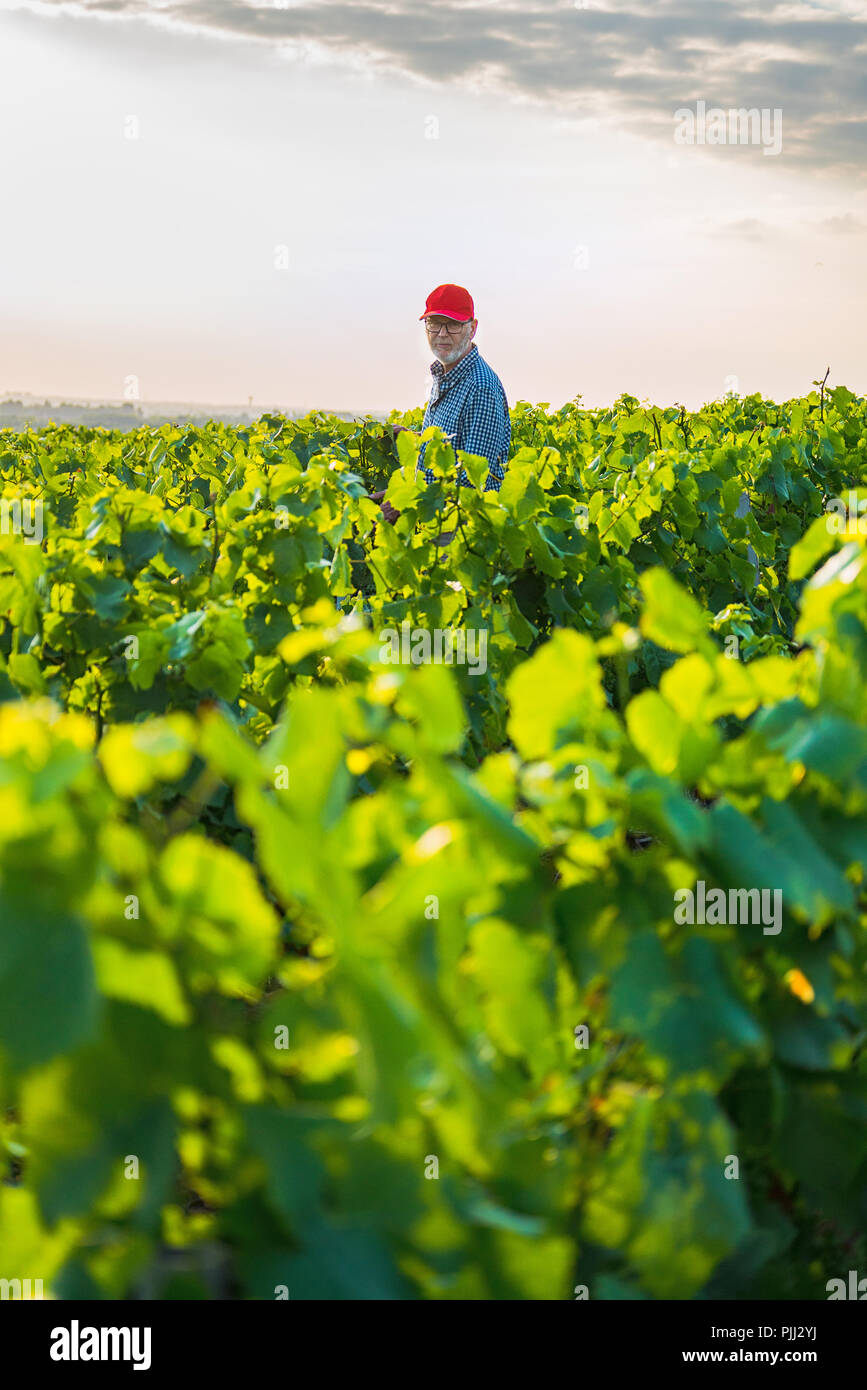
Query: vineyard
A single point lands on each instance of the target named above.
(334, 968)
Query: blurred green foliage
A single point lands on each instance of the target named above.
(294, 944)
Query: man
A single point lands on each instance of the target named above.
(467, 398)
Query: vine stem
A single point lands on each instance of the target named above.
(822, 394)
(216, 550)
(632, 502)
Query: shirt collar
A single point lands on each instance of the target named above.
(445, 379)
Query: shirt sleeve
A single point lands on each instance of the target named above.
(487, 430)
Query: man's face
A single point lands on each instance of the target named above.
(448, 340)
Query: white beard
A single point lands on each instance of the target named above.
(450, 354)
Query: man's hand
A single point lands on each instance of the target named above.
(392, 431)
(389, 513)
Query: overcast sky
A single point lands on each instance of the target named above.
(213, 200)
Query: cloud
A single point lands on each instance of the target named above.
(847, 225)
(756, 229)
(633, 62)
(743, 229)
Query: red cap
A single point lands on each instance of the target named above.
(452, 301)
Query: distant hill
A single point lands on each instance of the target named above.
(21, 410)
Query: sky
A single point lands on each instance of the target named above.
(212, 201)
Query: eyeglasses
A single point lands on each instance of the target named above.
(453, 329)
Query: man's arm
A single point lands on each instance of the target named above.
(388, 511)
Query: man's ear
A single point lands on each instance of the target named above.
(475, 326)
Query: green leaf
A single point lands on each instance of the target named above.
(476, 468)
(811, 548)
(672, 746)
(48, 999)
(140, 545)
(26, 673)
(146, 978)
(510, 970)
(430, 698)
(683, 1007)
(672, 618)
(135, 757)
(231, 929)
(341, 573)
(555, 696)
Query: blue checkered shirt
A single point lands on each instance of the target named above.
(470, 407)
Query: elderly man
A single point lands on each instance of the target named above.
(467, 398)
